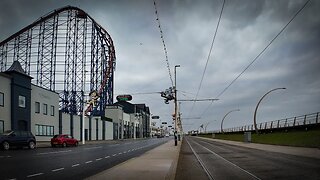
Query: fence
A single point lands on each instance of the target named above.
(308, 119)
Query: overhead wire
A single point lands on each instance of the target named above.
(163, 42)
(256, 58)
(209, 55)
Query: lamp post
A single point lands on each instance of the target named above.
(255, 112)
(84, 106)
(175, 104)
(226, 116)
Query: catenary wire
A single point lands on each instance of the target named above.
(256, 58)
(224, 90)
(163, 42)
(209, 55)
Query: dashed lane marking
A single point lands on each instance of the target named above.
(88, 162)
(106, 157)
(5, 156)
(75, 165)
(96, 147)
(98, 159)
(59, 169)
(54, 152)
(33, 175)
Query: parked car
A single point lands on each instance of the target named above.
(12, 138)
(64, 140)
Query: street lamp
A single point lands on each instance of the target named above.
(255, 112)
(84, 106)
(175, 103)
(226, 116)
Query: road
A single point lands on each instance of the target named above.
(215, 160)
(71, 162)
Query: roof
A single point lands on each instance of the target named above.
(16, 67)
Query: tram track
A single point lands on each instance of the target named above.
(206, 167)
(203, 159)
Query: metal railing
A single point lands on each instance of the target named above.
(308, 119)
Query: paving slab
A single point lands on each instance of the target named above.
(159, 163)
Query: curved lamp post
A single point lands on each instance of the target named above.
(226, 116)
(255, 112)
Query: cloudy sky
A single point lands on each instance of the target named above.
(246, 28)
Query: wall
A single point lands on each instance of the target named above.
(5, 111)
(109, 130)
(77, 127)
(65, 123)
(40, 122)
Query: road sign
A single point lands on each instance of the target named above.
(125, 97)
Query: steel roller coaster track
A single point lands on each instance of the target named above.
(60, 51)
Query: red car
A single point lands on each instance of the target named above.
(64, 140)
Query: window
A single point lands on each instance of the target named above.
(22, 101)
(45, 109)
(52, 110)
(1, 99)
(37, 107)
(44, 130)
(1, 126)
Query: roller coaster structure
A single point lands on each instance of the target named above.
(61, 51)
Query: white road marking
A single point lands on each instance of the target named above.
(98, 159)
(33, 175)
(88, 162)
(75, 165)
(124, 152)
(59, 169)
(5, 156)
(96, 147)
(107, 157)
(54, 152)
(114, 154)
(119, 153)
(114, 144)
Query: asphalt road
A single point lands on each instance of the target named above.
(204, 159)
(71, 162)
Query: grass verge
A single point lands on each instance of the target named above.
(310, 138)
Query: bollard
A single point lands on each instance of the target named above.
(247, 137)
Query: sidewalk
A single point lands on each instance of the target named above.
(298, 151)
(157, 164)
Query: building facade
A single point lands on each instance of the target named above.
(25, 106)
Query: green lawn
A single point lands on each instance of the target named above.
(309, 138)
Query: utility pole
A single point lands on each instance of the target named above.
(175, 105)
